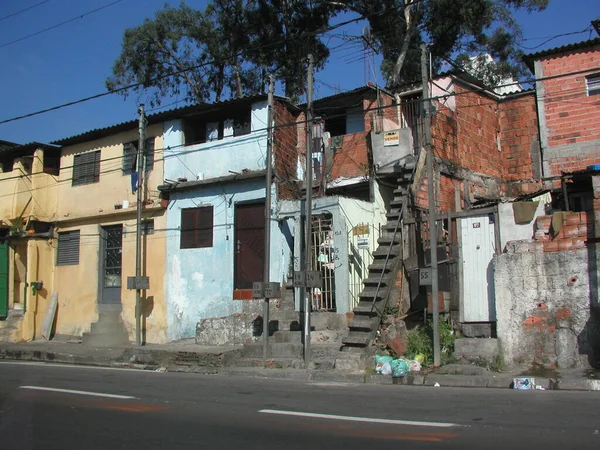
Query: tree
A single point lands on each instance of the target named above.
(283, 33)
(186, 51)
(228, 49)
(454, 29)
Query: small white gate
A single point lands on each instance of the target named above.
(478, 245)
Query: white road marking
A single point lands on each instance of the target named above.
(359, 419)
(70, 391)
(74, 366)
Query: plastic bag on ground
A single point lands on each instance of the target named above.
(384, 369)
(399, 368)
(414, 366)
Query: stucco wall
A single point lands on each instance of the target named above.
(511, 231)
(78, 285)
(113, 187)
(217, 158)
(543, 306)
(200, 280)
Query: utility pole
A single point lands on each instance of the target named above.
(432, 210)
(308, 226)
(138, 233)
(269, 176)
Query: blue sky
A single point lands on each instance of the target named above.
(72, 61)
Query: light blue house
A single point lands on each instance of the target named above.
(215, 166)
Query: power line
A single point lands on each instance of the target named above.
(23, 10)
(134, 85)
(72, 19)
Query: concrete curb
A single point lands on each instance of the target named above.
(216, 362)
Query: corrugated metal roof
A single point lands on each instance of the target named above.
(183, 185)
(175, 113)
(531, 57)
(9, 147)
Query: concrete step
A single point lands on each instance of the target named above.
(372, 281)
(390, 239)
(100, 339)
(378, 266)
(364, 323)
(359, 338)
(282, 315)
(383, 250)
(327, 321)
(371, 292)
(276, 350)
(351, 362)
(316, 337)
(365, 308)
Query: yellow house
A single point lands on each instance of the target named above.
(69, 222)
(95, 229)
(28, 181)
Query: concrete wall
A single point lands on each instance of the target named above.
(78, 285)
(511, 231)
(217, 158)
(15, 189)
(346, 213)
(91, 199)
(543, 306)
(200, 280)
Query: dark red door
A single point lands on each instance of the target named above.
(249, 244)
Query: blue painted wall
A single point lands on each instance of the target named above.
(199, 282)
(217, 158)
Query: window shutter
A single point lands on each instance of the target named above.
(68, 248)
(86, 168)
(197, 227)
(129, 153)
(149, 154)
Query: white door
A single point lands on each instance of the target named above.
(477, 281)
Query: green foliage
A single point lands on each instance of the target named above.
(452, 28)
(233, 44)
(420, 341)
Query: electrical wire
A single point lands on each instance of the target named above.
(23, 10)
(72, 19)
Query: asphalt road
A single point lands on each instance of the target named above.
(149, 410)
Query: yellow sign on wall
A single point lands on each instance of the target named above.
(360, 230)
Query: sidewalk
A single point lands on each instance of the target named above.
(186, 356)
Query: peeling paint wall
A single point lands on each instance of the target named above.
(346, 213)
(200, 280)
(545, 306)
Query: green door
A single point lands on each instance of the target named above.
(3, 280)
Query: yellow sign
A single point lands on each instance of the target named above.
(391, 138)
(359, 230)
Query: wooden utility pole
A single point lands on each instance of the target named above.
(269, 176)
(432, 209)
(308, 226)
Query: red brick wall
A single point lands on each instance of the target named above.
(285, 150)
(571, 116)
(489, 138)
(477, 132)
(352, 160)
(519, 129)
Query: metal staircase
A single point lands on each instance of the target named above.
(383, 271)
